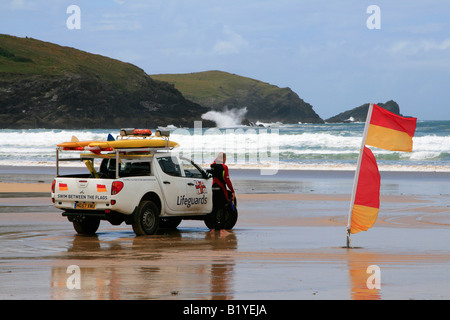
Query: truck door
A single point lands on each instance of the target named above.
(199, 189)
(174, 189)
(185, 187)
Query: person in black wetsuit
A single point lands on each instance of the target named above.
(221, 180)
(221, 176)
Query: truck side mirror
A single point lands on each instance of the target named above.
(208, 174)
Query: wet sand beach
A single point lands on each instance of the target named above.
(288, 244)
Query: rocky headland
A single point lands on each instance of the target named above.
(44, 85)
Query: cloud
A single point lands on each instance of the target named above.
(233, 43)
(417, 46)
(427, 28)
(21, 5)
(118, 22)
(18, 4)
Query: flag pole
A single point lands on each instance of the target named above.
(358, 166)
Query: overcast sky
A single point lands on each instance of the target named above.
(322, 50)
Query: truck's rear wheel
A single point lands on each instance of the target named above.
(147, 219)
(222, 218)
(88, 225)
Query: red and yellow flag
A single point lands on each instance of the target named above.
(367, 197)
(390, 131)
(384, 130)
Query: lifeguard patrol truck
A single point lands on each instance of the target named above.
(139, 181)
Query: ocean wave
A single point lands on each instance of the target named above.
(270, 167)
(46, 138)
(329, 146)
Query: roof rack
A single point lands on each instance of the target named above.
(137, 154)
(120, 155)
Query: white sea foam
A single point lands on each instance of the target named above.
(328, 146)
(228, 118)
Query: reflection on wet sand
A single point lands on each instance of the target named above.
(358, 264)
(170, 265)
(289, 248)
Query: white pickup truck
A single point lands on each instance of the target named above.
(148, 189)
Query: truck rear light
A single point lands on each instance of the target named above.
(113, 202)
(53, 186)
(116, 187)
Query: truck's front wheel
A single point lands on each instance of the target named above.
(147, 219)
(88, 225)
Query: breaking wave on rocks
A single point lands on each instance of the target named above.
(226, 118)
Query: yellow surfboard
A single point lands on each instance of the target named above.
(134, 143)
(113, 156)
(75, 144)
(91, 168)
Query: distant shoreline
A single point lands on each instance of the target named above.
(51, 170)
(239, 171)
(245, 181)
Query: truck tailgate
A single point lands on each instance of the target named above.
(82, 193)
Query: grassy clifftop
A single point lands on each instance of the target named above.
(44, 85)
(213, 87)
(264, 101)
(27, 56)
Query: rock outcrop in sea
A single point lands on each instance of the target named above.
(359, 114)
